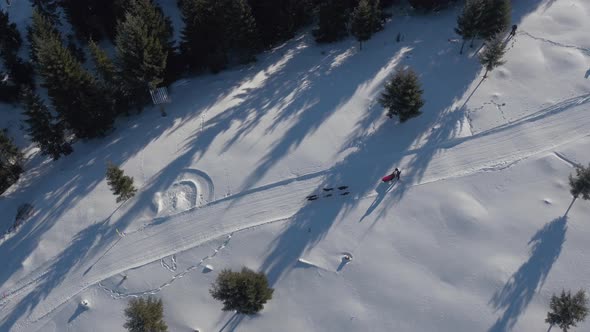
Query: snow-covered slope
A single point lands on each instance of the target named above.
(475, 237)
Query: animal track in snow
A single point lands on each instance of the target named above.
(119, 295)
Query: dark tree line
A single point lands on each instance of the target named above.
(84, 103)
(483, 19)
(18, 73)
(338, 19)
(218, 32)
(78, 99)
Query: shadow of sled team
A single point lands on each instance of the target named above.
(393, 176)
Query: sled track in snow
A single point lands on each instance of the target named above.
(279, 201)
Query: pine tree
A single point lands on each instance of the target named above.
(109, 78)
(11, 160)
(333, 20)
(145, 315)
(76, 96)
(403, 96)
(246, 292)
(41, 29)
(215, 29)
(143, 43)
(366, 20)
(580, 184)
(495, 18)
(467, 22)
(492, 55)
(121, 185)
(104, 66)
(567, 310)
(43, 127)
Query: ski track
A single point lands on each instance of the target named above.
(491, 150)
(554, 43)
(567, 160)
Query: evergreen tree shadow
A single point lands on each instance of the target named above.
(52, 274)
(518, 292)
(377, 149)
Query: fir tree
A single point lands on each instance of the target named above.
(76, 96)
(43, 127)
(403, 96)
(467, 22)
(246, 292)
(494, 19)
(121, 184)
(10, 162)
(492, 55)
(366, 20)
(333, 19)
(143, 43)
(580, 184)
(109, 78)
(41, 29)
(145, 315)
(567, 310)
(104, 66)
(214, 29)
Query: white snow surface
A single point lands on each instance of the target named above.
(477, 235)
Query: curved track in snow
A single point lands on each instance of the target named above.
(487, 151)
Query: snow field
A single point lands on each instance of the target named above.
(473, 238)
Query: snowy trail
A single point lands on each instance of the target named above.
(486, 151)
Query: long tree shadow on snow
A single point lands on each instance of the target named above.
(375, 152)
(518, 292)
(378, 152)
(131, 138)
(72, 256)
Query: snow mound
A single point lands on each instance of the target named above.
(85, 304)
